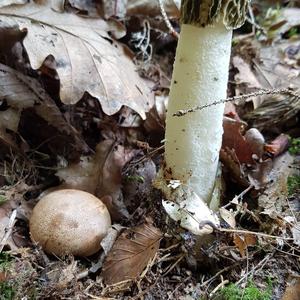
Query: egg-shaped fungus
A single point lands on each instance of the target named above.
(69, 222)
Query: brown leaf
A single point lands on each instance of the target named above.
(131, 253)
(246, 79)
(278, 145)
(273, 199)
(87, 59)
(242, 242)
(24, 96)
(101, 175)
(244, 145)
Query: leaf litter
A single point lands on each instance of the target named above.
(59, 127)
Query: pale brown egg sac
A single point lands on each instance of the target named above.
(69, 222)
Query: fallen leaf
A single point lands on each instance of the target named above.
(86, 58)
(274, 196)
(245, 146)
(10, 2)
(101, 175)
(278, 145)
(242, 242)
(233, 167)
(131, 253)
(228, 217)
(246, 80)
(27, 96)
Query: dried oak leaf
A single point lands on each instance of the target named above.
(87, 59)
(131, 253)
(242, 242)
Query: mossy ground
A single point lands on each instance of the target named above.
(250, 292)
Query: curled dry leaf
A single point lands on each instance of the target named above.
(87, 60)
(131, 253)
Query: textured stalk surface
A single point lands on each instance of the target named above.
(200, 76)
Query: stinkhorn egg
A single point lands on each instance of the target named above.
(69, 222)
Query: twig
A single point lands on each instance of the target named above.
(258, 266)
(10, 226)
(219, 273)
(262, 92)
(174, 265)
(166, 19)
(219, 286)
(252, 21)
(240, 196)
(254, 233)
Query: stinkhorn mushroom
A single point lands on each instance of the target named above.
(200, 76)
(69, 222)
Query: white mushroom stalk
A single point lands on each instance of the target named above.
(200, 76)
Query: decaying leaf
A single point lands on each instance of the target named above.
(228, 217)
(273, 198)
(242, 242)
(245, 146)
(131, 253)
(10, 2)
(87, 60)
(27, 96)
(101, 175)
(246, 80)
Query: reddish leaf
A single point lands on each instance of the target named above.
(244, 145)
(131, 253)
(242, 242)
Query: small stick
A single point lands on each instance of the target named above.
(219, 286)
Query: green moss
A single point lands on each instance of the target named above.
(251, 292)
(293, 32)
(293, 184)
(294, 147)
(6, 291)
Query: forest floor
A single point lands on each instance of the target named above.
(55, 135)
